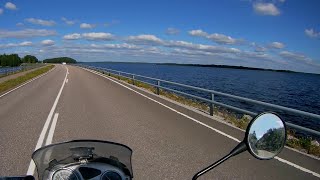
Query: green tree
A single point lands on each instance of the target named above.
(271, 140)
(253, 141)
(60, 60)
(16, 60)
(3, 61)
(10, 60)
(30, 59)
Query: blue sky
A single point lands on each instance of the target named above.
(278, 34)
(264, 123)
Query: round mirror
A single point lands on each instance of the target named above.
(266, 136)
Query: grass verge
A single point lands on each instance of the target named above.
(11, 83)
(303, 144)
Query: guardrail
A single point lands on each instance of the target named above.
(4, 71)
(213, 93)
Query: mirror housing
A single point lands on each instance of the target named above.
(265, 136)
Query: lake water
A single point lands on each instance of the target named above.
(294, 90)
(4, 70)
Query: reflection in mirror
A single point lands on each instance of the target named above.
(266, 136)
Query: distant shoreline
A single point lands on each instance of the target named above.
(210, 65)
(229, 67)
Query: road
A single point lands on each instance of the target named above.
(169, 141)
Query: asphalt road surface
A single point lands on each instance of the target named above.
(169, 141)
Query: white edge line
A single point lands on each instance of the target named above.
(52, 128)
(297, 166)
(26, 83)
(45, 127)
(203, 124)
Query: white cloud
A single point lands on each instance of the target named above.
(146, 44)
(191, 49)
(201, 47)
(26, 43)
(218, 38)
(117, 50)
(98, 36)
(186, 52)
(198, 32)
(255, 55)
(10, 45)
(222, 39)
(146, 39)
(115, 46)
(93, 36)
(277, 45)
(68, 22)
(47, 42)
(27, 33)
(40, 22)
(19, 24)
(172, 31)
(87, 26)
(1, 11)
(258, 48)
(312, 33)
(295, 56)
(73, 36)
(10, 6)
(266, 9)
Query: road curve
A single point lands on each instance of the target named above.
(166, 144)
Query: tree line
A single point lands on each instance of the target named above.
(14, 60)
(270, 141)
(60, 60)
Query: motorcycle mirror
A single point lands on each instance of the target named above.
(265, 136)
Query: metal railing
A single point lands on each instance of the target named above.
(213, 93)
(4, 71)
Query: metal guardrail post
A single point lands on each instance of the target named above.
(158, 89)
(133, 80)
(212, 105)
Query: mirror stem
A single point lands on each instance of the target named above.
(241, 147)
(200, 173)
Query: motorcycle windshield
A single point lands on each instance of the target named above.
(65, 153)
